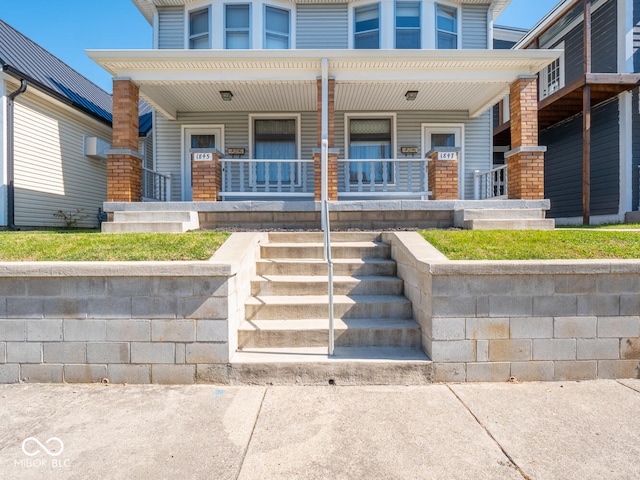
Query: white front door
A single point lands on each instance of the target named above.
(446, 135)
(197, 139)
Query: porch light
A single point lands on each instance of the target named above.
(411, 95)
(226, 95)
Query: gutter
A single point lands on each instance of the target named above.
(10, 154)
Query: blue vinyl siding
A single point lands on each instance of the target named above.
(322, 26)
(171, 27)
(474, 26)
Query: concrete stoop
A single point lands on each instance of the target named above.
(285, 335)
(152, 222)
(503, 219)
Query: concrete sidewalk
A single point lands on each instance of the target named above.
(563, 430)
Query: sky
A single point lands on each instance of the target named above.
(67, 27)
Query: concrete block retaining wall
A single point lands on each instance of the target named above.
(533, 320)
(149, 322)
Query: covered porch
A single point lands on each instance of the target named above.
(425, 95)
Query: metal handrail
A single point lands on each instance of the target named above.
(156, 186)
(326, 227)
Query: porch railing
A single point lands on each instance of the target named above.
(384, 178)
(490, 184)
(156, 187)
(260, 177)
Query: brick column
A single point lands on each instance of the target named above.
(332, 175)
(206, 178)
(443, 174)
(525, 160)
(124, 164)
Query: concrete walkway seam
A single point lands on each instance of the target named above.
(253, 429)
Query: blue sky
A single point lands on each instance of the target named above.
(116, 24)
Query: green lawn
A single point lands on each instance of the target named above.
(534, 244)
(622, 226)
(70, 245)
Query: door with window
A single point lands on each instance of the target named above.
(275, 139)
(370, 139)
(445, 136)
(198, 139)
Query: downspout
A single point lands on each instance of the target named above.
(10, 155)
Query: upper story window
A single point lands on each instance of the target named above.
(552, 76)
(199, 22)
(446, 27)
(407, 24)
(277, 28)
(237, 30)
(367, 27)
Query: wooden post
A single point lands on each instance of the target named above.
(586, 119)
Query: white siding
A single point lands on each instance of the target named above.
(474, 26)
(478, 149)
(51, 171)
(171, 27)
(322, 26)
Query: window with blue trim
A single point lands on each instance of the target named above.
(446, 27)
(237, 30)
(367, 27)
(199, 22)
(277, 28)
(408, 25)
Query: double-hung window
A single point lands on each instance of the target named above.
(407, 24)
(199, 24)
(236, 26)
(446, 27)
(367, 27)
(370, 140)
(277, 28)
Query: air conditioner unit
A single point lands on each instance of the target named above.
(95, 147)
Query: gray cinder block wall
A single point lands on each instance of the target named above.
(533, 320)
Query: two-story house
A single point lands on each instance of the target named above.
(244, 92)
(588, 109)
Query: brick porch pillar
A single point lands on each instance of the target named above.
(525, 160)
(206, 176)
(124, 163)
(443, 173)
(333, 153)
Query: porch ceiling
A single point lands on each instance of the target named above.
(285, 80)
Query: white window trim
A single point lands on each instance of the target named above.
(447, 128)
(224, 22)
(264, 23)
(185, 183)
(187, 22)
(458, 9)
(277, 116)
(543, 85)
(421, 26)
(386, 30)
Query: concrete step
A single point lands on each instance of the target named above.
(315, 333)
(500, 213)
(313, 366)
(318, 237)
(316, 250)
(510, 224)
(341, 267)
(153, 216)
(144, 227)
(318, 285)
(288, 307)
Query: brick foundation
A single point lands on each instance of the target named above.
(124, 178)
(206, 179)
(443, 178)
(526, 175)
(332, 186)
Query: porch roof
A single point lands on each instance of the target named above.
(285, 80)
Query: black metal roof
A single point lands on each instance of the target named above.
(21, 57)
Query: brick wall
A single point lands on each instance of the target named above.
(443, 178)
(332, 176)
(206, 180)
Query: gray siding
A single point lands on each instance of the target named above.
(635, 172)
(322, 26)
(563, 164)
(636, 35)
(171, 27)
(474, 26)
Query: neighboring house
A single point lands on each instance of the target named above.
(588, 109)
(60, 129)
(245, 80)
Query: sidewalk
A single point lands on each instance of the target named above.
(561, 430)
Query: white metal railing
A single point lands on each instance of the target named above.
(243, 177)
(326, 228)
(385, 178)
(490, 184)
(156, 187)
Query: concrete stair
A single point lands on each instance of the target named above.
(286, 329)
(152, 222)
(503, 219)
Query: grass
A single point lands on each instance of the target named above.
(624, 226)
(71, 245)
(534, 244)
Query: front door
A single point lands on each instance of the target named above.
(446, 136)
(197, 139)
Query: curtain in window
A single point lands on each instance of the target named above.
(369, 139)
(275, 140)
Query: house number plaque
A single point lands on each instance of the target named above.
(202, 157)
(447, 155)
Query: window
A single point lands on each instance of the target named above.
(370, 139)
(276, 30)
(367, 27)
(275, 139)
(236, 22)
(446, 27)
(407, 24)
(552, 76)
(199, 29)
